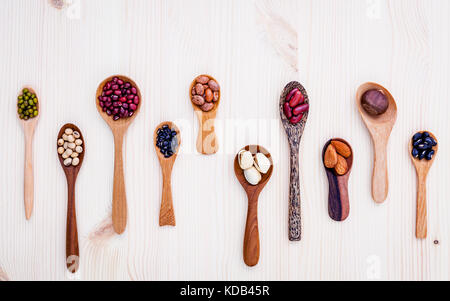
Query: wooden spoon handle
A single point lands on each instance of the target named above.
(295, 226)
(166, 213)
(380, 181)
(206, 140)
(119, 203)
(28, 177)
(338, 201)
(421, 213)
(251, 238)
(72, 251)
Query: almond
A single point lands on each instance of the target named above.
(341, 167)
(342, 148)
(331, 157)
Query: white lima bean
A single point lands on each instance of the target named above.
(68, 161)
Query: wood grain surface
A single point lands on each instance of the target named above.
(253, 48)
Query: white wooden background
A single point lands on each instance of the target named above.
(253, 48)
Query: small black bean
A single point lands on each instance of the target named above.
(429, 155)
(417, 136)
(417, 142)
(422, 154)
(415, 152)
(425, 135)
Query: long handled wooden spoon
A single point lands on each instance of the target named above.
(29, 127)
(338, 200)
(118, 128)
(72, 250)
(294, 134)
(251, 238)
(207, 143)
(380, 128)
(166, 213)
(422, 168)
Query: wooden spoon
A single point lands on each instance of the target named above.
(380, 128)
(251, 238)
(338, 200)
(166, 213)
(29, 127)
(118, 128)
(422, 168)
(294, 134)
(207, 143)
(72, 251)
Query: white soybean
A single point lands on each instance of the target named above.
(71, 145)
(60, 142)
(78, 142)
(68, 161)
(74, 155)
(70, 138)
(68, 131)
(79, 149)
(76, 134)
(75, 161)
(60, 150)
(64, 136)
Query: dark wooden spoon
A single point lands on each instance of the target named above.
(72, 251)
(294, 134)
(166, 212)
(338, 200)
(251, 238)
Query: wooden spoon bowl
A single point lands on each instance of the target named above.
(72, 250)
(294, 134)
(338, 200)
(29, 127)
(167, 214)
(207, 143)
(251, 238)
(118, 128)
(380, 128)
(422, 168)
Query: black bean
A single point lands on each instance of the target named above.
(425, 135)
(417, 136)
(417, 142)
(422, 154)
(415, 153)
(423, 147)
(429, 155)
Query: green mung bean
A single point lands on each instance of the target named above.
(27, 105)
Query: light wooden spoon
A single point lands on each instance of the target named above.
(380, 128)
(118, 128)
(338, 200)
(294, 134)
(251, 238)
(166, 213)
(29, 127)
(207, 143)
(72, 250)
(422, 168)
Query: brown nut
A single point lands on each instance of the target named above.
(342, 148)
(199, 89)
(331, 157)
(207, 106)
(214, 85)
(202, 79)
(341, 167)
(198, 100)
(216, 96)
(374, 102)
(209, 95)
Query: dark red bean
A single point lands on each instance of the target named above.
(296, 119)
(296, 99)
(125, 105)
(104, 109)
(117, 92)
(287, 110)
(116, 111)
(130, 97)
(109, 92)
(120, 82)
(136, 100)
(115, 87)
(301, 109)
(133, 107)
(115, 98)
(115, 79)
(133, 90)
(108, 112)
(123, 99)
(116, 117)
(101, 103)
(130, 113)
(289, 96)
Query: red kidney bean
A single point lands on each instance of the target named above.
(296, 119)
(301, 109)
(119, 99)
(133, 90)
(120, 82)
(287, 110)
(136, 100)
(296, 99)
(289, 96)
